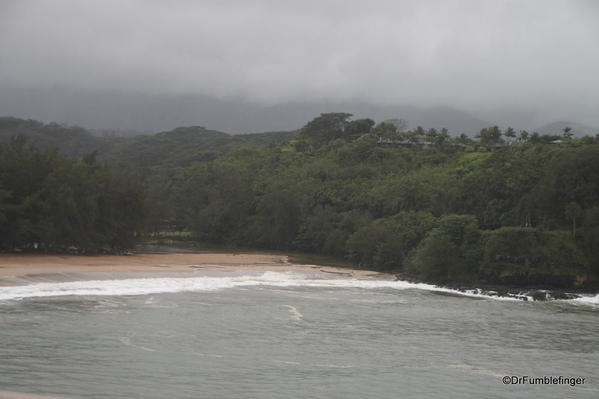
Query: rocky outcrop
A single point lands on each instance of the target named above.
(530, 293)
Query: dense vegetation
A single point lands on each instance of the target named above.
(164, 150)
(53, 203)
(508, 207)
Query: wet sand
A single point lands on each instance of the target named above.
(23, 268)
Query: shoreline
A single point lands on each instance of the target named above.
(23, 269)
(29, 269)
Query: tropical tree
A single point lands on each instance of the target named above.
(510, 133)
(327, 127)
(567, 132)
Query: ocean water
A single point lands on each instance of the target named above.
(289, 335)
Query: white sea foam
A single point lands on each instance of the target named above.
(587, 300)
(144, 286)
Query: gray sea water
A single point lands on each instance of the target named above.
(287, 336)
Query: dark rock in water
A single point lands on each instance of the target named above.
(538, 295)
(530, 293)
(541, 295)
(563, 295)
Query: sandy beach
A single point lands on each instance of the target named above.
(21, 268)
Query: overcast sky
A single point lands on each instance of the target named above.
(475, 55)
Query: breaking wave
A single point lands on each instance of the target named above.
(144, 286)
(586, 300)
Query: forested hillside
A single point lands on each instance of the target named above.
(70, 140)
(504, 207)
(508, 207)
(177, 147)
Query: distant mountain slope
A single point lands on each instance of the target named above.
(71, 140)
(177, 147)
(557, 128)
(150, 113)
(186, 145)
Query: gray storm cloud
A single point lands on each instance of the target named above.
(476, 55)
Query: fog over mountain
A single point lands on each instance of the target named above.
(150, 113)
(241, 66)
